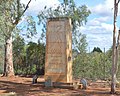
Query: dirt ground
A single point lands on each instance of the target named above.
(22, 86)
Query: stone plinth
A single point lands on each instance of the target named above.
(58, 61)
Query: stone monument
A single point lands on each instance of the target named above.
(58, 60)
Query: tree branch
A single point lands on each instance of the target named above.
(27, 6)
(118, 1)
(116, 8)
(19, 16)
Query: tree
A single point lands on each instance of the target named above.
(114, 50)
(1, 52)
(11, 12)
(18, 54)
(28, 58)
(97, 49)
(36, 57)
(94, 65)
(78, 17)
(80, 43)
(68, 8)
(1, 56)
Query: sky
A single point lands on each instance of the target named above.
(99, 27)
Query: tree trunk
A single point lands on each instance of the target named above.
(117, 56)
(113, 81)
(8, 64)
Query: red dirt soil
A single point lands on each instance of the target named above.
(22, 86)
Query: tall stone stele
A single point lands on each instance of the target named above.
(58, 61)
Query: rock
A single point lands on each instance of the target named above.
(84, 83)
(35, 77)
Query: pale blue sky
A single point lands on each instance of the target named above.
(99, 27)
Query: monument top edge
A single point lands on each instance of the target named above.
(58, 18)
